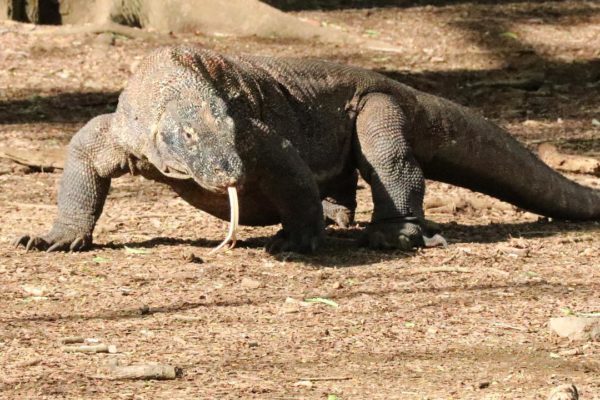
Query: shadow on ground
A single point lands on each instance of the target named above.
(299, 5)
(342, 247)
(539, 85)
(530, 288)
(68, 107)
(484, 89)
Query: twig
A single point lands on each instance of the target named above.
(427, 270)
(327, 378)
(28, 363)
(448, 259)
(508, 326)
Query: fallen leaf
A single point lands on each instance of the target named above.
(130, 250)
(511, 35)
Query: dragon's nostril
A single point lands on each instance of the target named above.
(224, 164)
(221, 166)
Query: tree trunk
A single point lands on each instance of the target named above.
(16, 10)
(229, 17)
(33, 11)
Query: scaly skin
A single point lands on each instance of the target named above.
(290, 135)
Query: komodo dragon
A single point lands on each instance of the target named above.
(289, 135)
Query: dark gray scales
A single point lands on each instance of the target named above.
(290, 136)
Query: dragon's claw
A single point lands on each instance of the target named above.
(53, 242)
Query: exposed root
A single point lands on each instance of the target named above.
(233, 221)
(107, 27)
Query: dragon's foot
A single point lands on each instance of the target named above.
(336, 213)
(55, 241)
(403, 235)
(305, 240)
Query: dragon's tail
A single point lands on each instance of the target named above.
(481, 156)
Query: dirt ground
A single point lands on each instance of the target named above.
(465, 322)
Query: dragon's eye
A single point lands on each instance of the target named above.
(188, 132)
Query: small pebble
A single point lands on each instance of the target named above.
(192, 258)
(145, 309)
(248, 283)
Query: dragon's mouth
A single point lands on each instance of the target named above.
(174, 173)
(234, 206)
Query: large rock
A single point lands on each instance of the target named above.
(564, 392)
(577, 328)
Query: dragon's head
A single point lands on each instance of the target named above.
(197, 140)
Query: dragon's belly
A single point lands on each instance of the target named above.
(255, 208)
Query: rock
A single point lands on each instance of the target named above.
(192, 258)
(564, 392)
(145, 309)
(106, 39)
(338, 285)
(292, 305)
(36, 291)
(577, 328)
(248, 283)
(306, 384)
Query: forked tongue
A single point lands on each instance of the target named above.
(233, 221)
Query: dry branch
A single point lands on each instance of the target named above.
(45, 160)
(28, 363)
(327, 378)
(145, 371)
(97, 348)
(72, 340)
(430, 270)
